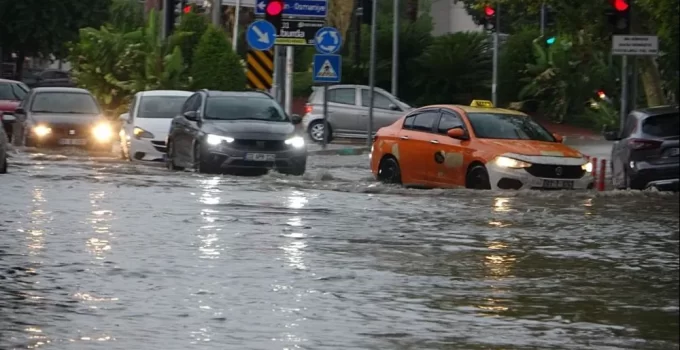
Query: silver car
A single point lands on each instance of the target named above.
(348, 111)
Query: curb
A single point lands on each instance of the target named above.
(347, 151)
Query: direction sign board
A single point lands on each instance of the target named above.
(261, 35)
(328, 40)
(298, 31)
(327, 68)
(635, 45)
(298, 8)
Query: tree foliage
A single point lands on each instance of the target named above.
(215, 65)
(193, 25)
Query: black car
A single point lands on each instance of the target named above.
(4, 145)
(234, 131)
(59, 116)
(646, 154)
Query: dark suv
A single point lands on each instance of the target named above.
(235, 131)
(646, 154)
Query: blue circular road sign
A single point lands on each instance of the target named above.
(327, 40)
(261, 35)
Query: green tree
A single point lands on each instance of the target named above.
(44, 27)
(215, 65)
(194, 26)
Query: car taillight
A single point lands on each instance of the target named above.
(308, 108)
(638, 144)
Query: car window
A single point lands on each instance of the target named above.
(160, 106)
(380, 100)
(508, 126)
(425, 121)
(188, 103)
(449, 121)
(408, 121)
(629, 126)
(7, 92)
(20, 90)
(244, 108)
(663, 125)
(64, 102)
(60, 75)
(343, 95)
(49, 75)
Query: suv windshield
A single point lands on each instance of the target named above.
(244, 107)
(64, 102)
(664, 125)
(160, 106)
(508, 126)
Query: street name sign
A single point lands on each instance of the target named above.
(635, 45)
(261, 35)
(327, 68)
(298, 32)
(298, 8)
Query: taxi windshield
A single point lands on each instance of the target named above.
(508, 127)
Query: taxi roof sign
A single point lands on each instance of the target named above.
(481, 103)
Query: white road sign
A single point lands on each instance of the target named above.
(635, 45)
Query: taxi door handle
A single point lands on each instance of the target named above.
(404, 137)
(434, 141)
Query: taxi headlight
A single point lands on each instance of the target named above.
(141, 133)
(215, 140)
(297, 142)
(102, 132)
(506, 162)
(588, 167)
(42, 130)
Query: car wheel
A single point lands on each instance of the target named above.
(200, 165)
(297, 169)
(389, 171)
(170, 159)
(478, 178)
(3, 165)
(316, 131)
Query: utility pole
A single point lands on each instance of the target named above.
(543, 19)
(395, 50)
(216, 12)
(234, 33)
(494, 84)
(289, 80)
(371, 74)
(358, 19)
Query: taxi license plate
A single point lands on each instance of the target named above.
(558, 184)
(260, 157)
(73, 142)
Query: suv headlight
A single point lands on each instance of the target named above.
(296, 141)
(41, 130)
(506, 162)
(215, 140)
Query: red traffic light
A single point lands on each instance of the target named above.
(186, 9)
(621, 5)
(489, 11)
(274, 7)
(601, 94)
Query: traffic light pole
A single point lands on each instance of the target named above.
(494, 83)
(289, 80)
(624, 91)
(371, 75)
(234, 32)
(395, 50)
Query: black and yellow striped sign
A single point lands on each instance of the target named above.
(260, 69)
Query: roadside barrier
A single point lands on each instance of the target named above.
(599, 172)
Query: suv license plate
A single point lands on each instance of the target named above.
(673, 152)
(76, 142)
(260, 157)
(558, 184)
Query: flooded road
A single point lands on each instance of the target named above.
(102, 254)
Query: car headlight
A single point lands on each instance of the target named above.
(102, 132)
(506, 162)
(41, 130)
(588, 167)
(141, 133)
(296, 141)
(217, 139)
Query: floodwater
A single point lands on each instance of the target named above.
(96, 253)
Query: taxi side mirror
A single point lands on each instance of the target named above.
(558, 138)
(457, 133)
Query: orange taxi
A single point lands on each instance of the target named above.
(476, 146)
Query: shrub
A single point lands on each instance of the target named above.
(514, 56)
(193, 25)
(215, 65)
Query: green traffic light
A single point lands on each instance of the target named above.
(550, 40)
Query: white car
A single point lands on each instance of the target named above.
(145, 127)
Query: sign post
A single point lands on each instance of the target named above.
(327, 70)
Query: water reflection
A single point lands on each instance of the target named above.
(36, 234)
(99, 244)
(501, 205)
(209, 247)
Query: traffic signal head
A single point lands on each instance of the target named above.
(273, 13)
(620, 5)
(551, 40)
(187, 9)
(601, 94)
(619, 16)
(489, 20)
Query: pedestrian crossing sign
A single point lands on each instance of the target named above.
(327, 68)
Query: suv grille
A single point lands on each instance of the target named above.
(71, 131)
(556, 171)
(261, 145)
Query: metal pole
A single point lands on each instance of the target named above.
(542, 19)
(358, 18)
(635, 83)
(395, 50)
(624, 91)
(289, 80)
(164, 28)
(216, 12)
(275, 74)
(371, 75)
(234, 34)
(494, 83)
(325, 116)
